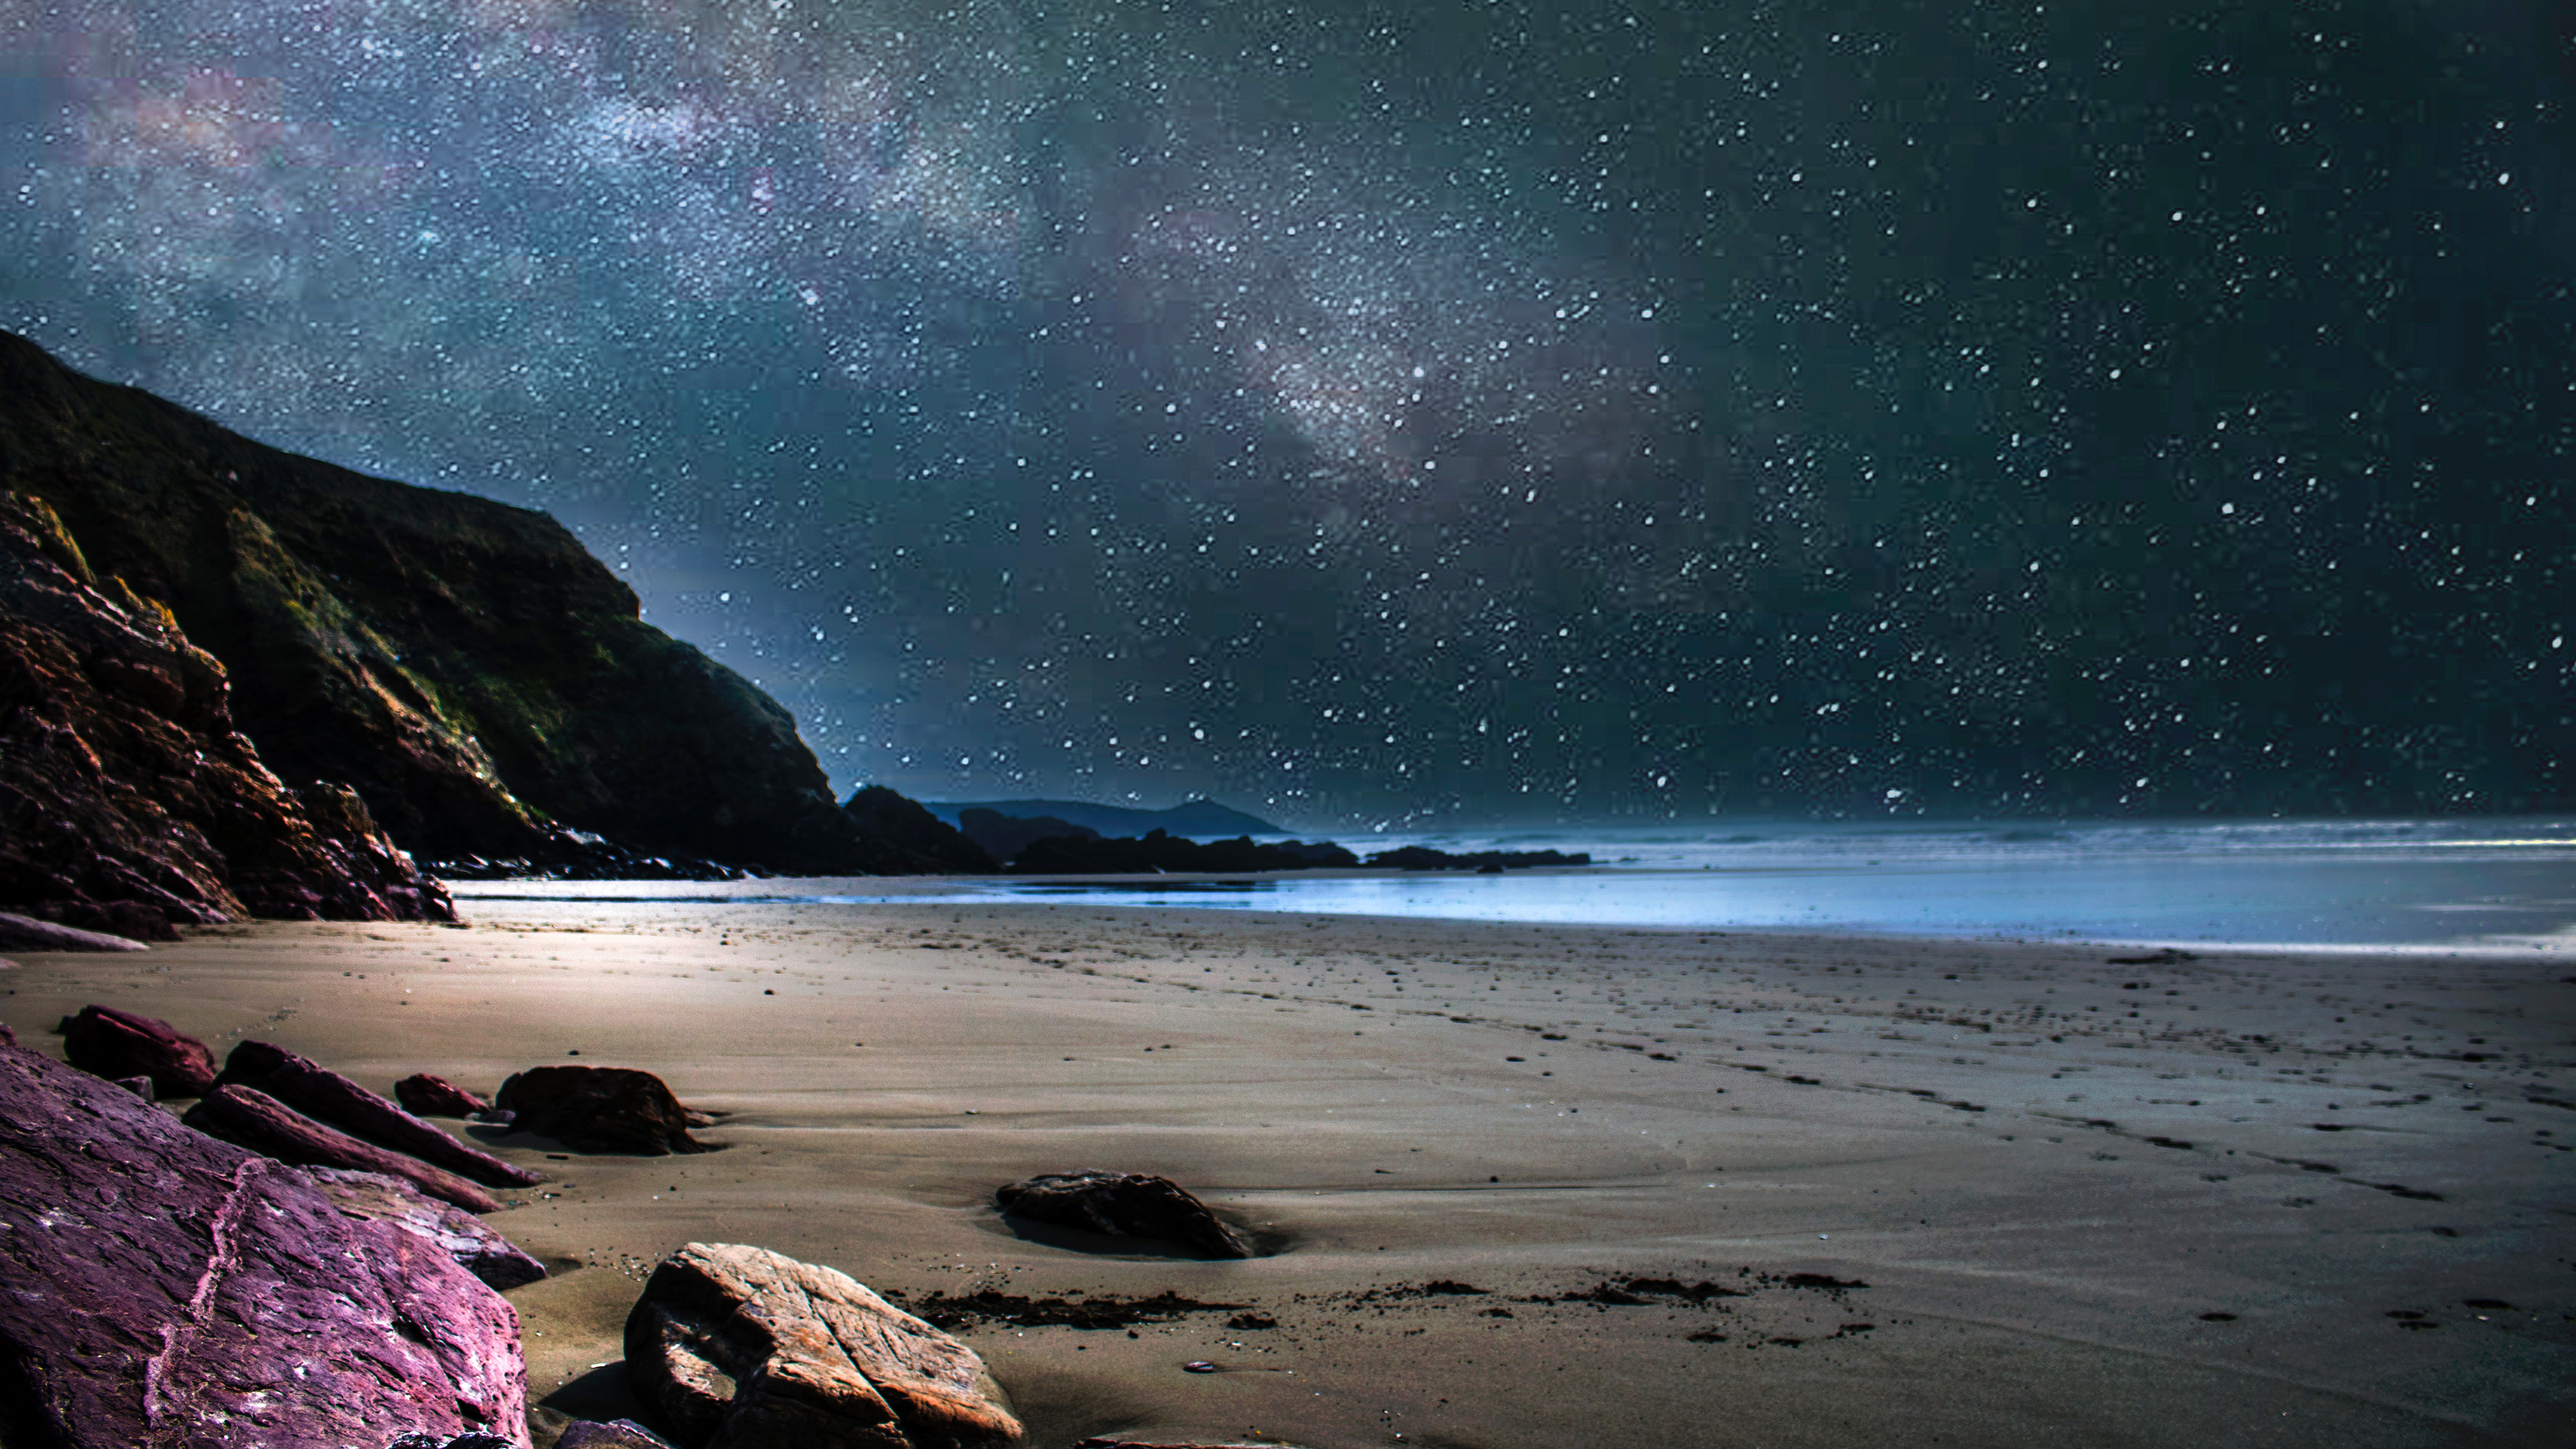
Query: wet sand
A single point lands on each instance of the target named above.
(1706, 1188)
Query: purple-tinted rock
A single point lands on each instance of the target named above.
(377, 1197)
(1123, 1204)
(615, 1434)
(139, 1086)
(327, 1097)
(26, 933)
(248, 1117)
(165, 1288)
(602, 1109)
(426, 1096)
(418, 1440)
(110, 1043)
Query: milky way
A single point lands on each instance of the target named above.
(1438, 411)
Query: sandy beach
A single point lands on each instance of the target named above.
(1524, 1185)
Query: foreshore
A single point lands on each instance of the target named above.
(1526, 1185)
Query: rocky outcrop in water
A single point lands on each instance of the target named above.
(128, 802)
(1169, 854)
(734, 1345)
(485, 686)
(1123, 1204)
(1005, 836)
(1423, 857)
(907, 824)
(165, 1288)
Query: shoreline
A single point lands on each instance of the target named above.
(1079, 890)
(2043, 1193)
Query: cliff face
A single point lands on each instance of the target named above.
(478, 678)
(128, 803)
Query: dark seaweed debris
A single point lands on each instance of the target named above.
(988, 1305)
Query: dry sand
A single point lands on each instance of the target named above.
(2258, 1198)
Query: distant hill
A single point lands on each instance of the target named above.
(1196, 819)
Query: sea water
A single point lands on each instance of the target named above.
(2488, 884)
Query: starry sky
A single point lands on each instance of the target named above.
(1442, 411)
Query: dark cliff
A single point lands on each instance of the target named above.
(478, 678)
(128, 803)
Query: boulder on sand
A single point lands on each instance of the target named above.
(734, 1345)
(423, 1095)
(248, 1117)
(106, 1042)
(1123, 1204)
(26, 933)
(601, 1109)
(169, 1289)
(327, 1097)
(380, 1197)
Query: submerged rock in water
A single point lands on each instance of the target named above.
(110, 1043)
(202, 1295)
(601, 1109)
(737, 1345)
(1123, 1204)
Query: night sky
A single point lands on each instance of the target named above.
(1428, 411)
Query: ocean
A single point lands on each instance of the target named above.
(2440, 885)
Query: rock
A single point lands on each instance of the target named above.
(110, 1043)
(615, 1434)
(426, 1096)
(1487, 862)
(906, 824)
(417, 1440)
(1005, 836)
(1123, 1204)
(1158, 852)
(740, 1346)
(139, 1086)
(128, 802)
(1200, 819)
(169, 1289)
(248, 1117)
(26, 933)
(379, 1197)
(601, 1109)
(332, 1099)
(486, 685)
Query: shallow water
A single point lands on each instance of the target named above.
(2507, 884)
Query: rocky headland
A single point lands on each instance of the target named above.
(235, 681)
(129, 802)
